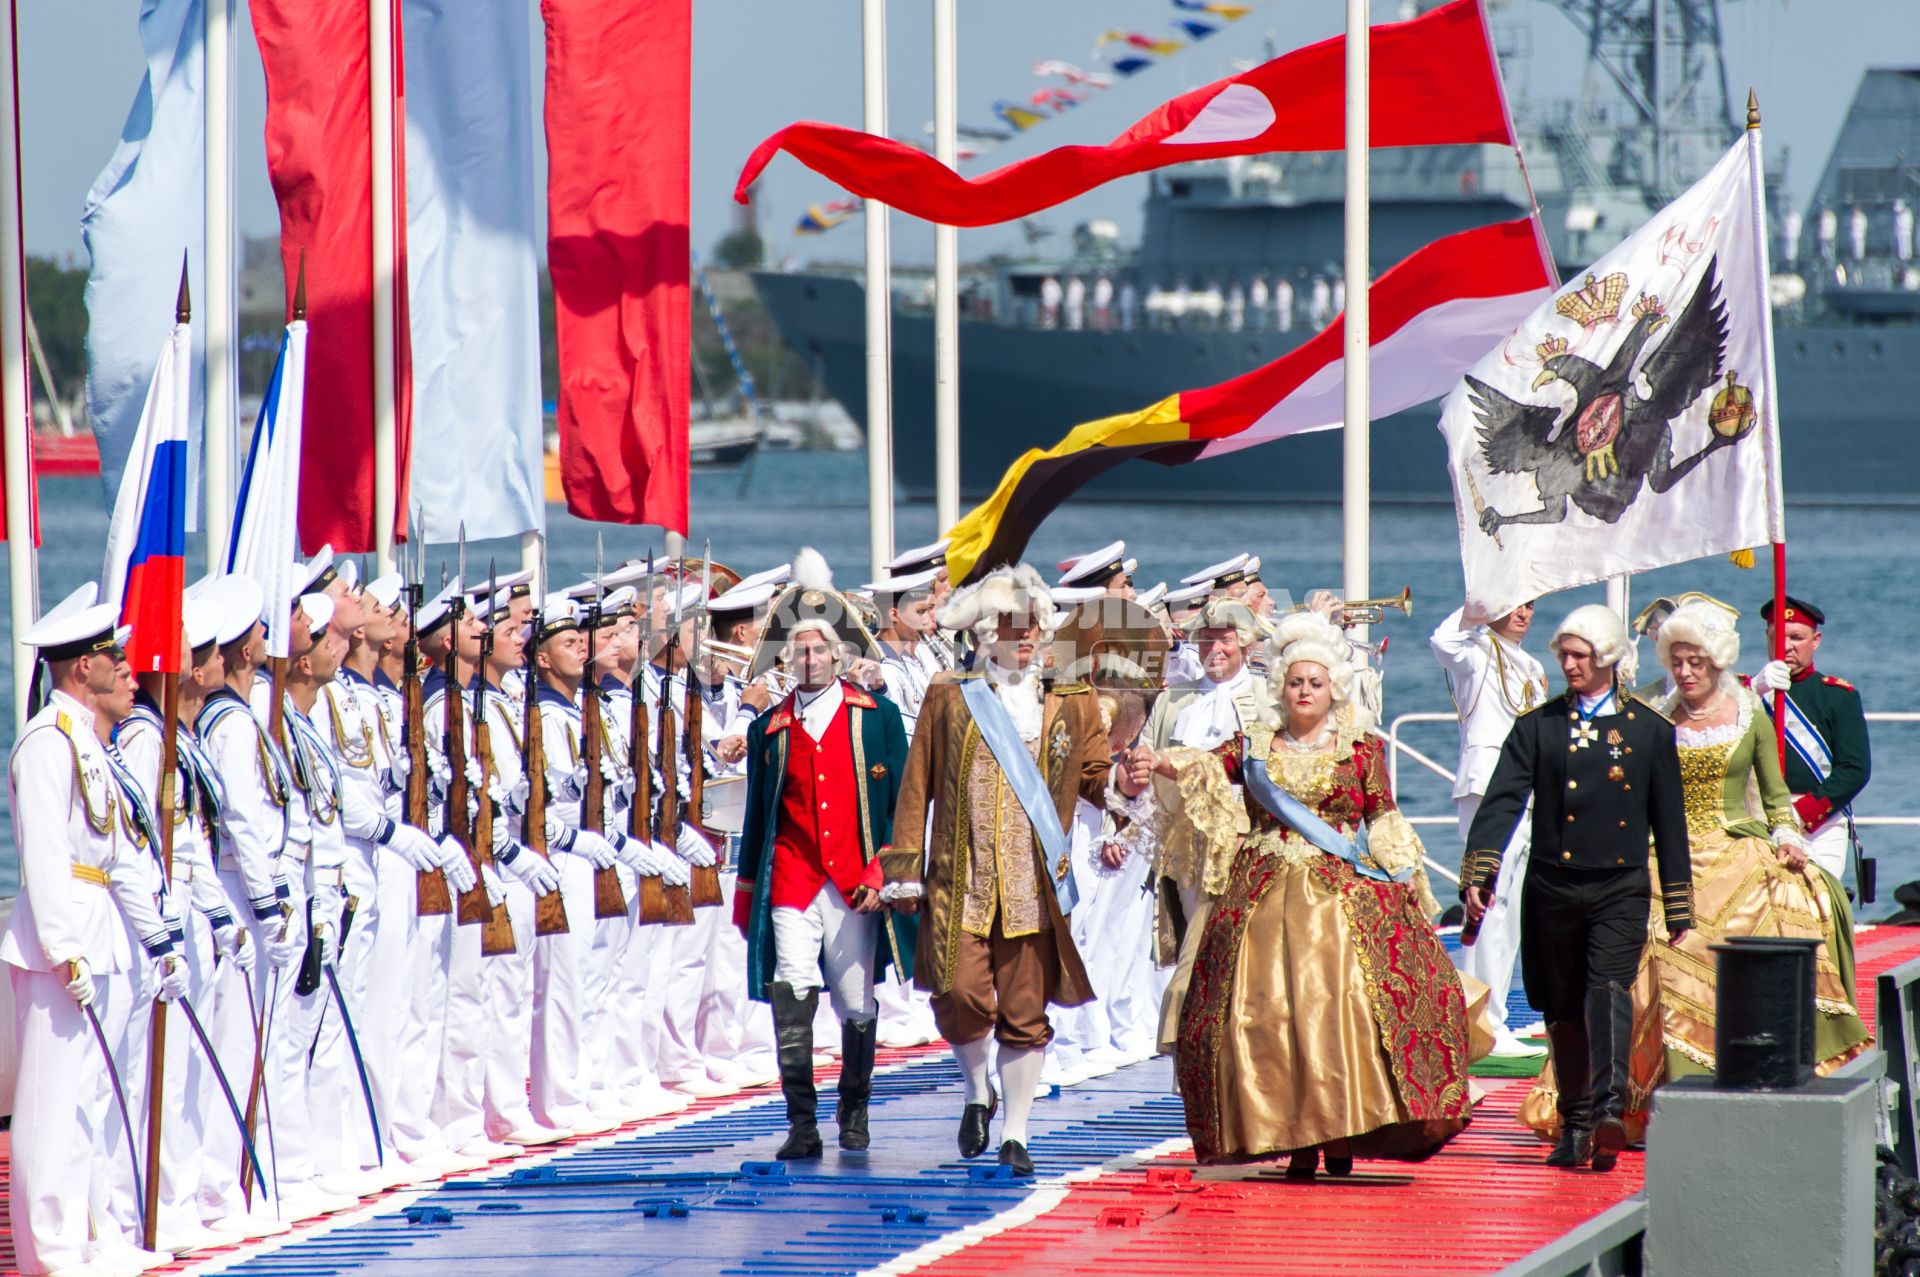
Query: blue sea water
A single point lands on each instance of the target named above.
(1853, 561)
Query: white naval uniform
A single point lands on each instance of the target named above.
(458, 1113)
(253, 828)
(192, 1103)
(1494, 682)
(71, 845)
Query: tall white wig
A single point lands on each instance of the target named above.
(1600, 627)
(1004, 591)
(1707, 627)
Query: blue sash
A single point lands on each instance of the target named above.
(1023, 777)
(1805, 740)
(1296, 815)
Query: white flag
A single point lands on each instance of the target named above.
(1629, 422)
(265, 542)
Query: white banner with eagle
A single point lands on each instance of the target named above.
(1629, 422)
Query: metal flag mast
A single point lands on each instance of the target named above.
(873, 69)
(16, 420)
(383, 115)
(946, 278)
(1357, 437)
(1776, 500)
(217, 327)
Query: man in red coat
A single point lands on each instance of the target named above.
(823, 769)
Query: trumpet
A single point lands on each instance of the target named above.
(778, 681)
(1370, 611)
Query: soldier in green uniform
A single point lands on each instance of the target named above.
(1828, 758)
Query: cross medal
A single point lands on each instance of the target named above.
(1583, 734)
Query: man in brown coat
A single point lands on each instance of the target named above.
(998, 761)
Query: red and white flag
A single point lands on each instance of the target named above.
(1432, 81)
(1432, 316)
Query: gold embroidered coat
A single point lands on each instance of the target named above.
(944, 772)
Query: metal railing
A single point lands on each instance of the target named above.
(1396, 748)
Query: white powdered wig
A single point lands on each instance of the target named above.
(1332, 656)
(1001, 592)
(1705, 626)
(1598, 625)
(1296, 626)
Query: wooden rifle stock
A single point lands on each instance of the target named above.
(432, 897)
(550, 910)
(705, 886)
(608, 900)
(473, 906)
(658, 901)
(496, 929)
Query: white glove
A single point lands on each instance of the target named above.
(674, 872)
(172, 976)
(592, 848)
(631, 852)
(698, 851)
(531, 868)
(513, 797)
(329, 943)
(629, 785)
(576, 785)
(80, 982)
(496, 890)
(454, 863)
(415, 847)
(244, 952)
(401, 767)
(474, 778)
(1774, 676)
(288, 944)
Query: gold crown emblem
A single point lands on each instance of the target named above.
(1594, 302)
(1649, 304)
(1550, 347)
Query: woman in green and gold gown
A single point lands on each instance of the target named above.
(1751, 874)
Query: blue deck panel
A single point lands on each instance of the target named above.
(705, 1197)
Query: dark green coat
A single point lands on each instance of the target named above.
(878, 741)
(1833, 707)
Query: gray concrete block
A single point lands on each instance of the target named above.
(1748, 1182)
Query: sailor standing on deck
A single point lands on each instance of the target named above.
(1829, 758)
(65, 942)
(1493, 681)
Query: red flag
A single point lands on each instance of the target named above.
(320, 157)
(1433, 81)
(619, 77)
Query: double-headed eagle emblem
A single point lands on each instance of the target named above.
(1616, 435)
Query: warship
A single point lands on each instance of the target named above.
(1238, 262)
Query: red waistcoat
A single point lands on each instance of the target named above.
(817, 839)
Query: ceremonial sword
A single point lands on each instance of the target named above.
(126, 1116)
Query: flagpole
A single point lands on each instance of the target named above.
(380, 45)
(946, 277)
(1356, 438)
(1770, 409)
(16, 419)
(216, 437)
(873, 70)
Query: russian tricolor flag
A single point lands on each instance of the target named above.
(145, 571)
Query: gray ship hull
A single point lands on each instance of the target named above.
(1850, 399)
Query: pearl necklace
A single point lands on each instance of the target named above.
(1319, 742)
(1705, 711)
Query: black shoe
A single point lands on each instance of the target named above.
(1339, 1167)
(1013, 1155)
(793, 1041)
(973, 1125)
(1574, 1149)
(1567, 1040)
(856, 1083)
(1609, 1137)
(1302, 1164)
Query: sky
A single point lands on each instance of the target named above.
(759, 64)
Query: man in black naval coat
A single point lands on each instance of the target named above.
(1604, 777)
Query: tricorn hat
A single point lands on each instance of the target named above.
(809, 597)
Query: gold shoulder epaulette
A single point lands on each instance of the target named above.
(1834, 680)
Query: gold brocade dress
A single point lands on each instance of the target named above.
(1738, 813)
(1322, 1004)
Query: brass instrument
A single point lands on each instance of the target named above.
(1369, 611)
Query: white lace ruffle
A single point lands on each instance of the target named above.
(1726, 734)
(900, 891)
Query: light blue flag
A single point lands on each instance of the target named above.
(473, 255)
(145, 209)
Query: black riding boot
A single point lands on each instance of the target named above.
(793, 1036)
(1609, 1042)
(856, 1081)
(1571, 1067)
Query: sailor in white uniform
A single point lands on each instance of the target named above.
(1493, 682)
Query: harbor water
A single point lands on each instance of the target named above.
(1854, 561)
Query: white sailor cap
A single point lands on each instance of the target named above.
(494, 608)
(385, 590)
(1230, 572)
(348, 573)
(1099, 567)
(240, 600)
(202, 617)
(77, 628)
(905, 583)
(632, 572)
(925, 556)
(687, 600)
(318, 609)
(776, 576)
(516, 585)
(1147, 598)
(438, 610)
(1187, 594)
(1252, 571)
(617, 604)
(558, 614)
(316, 574)
(741, 600)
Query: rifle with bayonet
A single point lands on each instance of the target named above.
(608, 900)
(550, 910)
(473, 905)
(671, 905)
(705, 886)
(432, 897)
(640, 757)
(496, 934)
